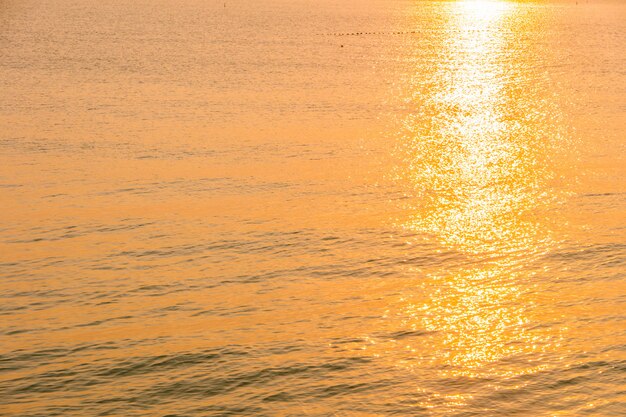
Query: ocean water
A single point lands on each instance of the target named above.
(312, 208)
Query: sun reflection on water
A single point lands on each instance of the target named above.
(487, 9)
(475, 156)
(477, 159)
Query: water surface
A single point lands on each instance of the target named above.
(312, 208)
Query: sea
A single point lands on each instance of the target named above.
(312, 208)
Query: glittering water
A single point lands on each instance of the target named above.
(312, 208)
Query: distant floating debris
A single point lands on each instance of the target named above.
(369, 33)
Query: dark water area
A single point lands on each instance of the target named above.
(277, 208)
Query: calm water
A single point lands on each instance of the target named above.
(304, 208)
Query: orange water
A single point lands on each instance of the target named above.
(312, 208)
